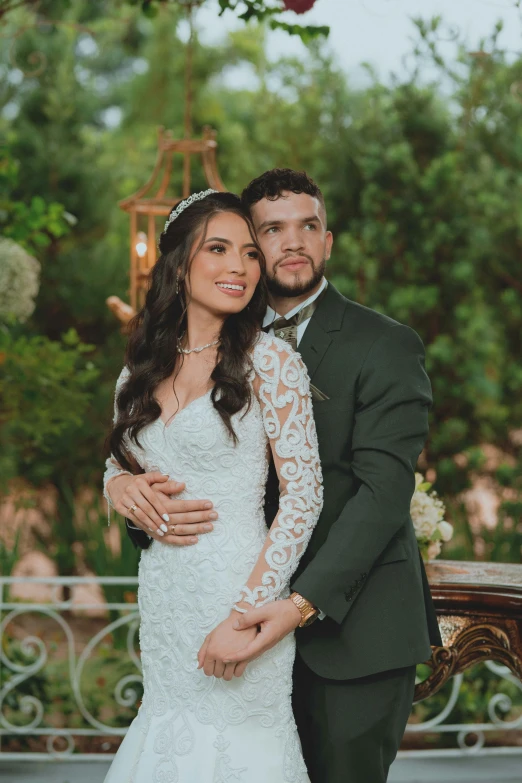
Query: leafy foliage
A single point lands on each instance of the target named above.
(46, 388)
(9, 556)
(250, 10)
(433, 242)
(418, 178)
(34, 223)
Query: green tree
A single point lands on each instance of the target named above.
(434, 237)
(419, 181)
(53, 365)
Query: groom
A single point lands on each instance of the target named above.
(361, 584)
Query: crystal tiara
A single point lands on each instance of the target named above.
(184, 204)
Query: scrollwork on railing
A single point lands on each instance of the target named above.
(471, 737)
(463, 643)
(502, 701)
(16, 674)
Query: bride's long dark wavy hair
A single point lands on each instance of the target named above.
(151, 349)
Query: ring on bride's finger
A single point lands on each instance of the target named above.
(132, 509)
(173, 529)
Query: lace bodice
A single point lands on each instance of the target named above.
(282, 392)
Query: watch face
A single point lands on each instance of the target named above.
(312, 616)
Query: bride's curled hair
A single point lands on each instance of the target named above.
(152, 346)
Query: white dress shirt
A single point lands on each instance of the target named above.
(271, 314)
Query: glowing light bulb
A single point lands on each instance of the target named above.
(141, 244)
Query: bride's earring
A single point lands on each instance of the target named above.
(176, 288)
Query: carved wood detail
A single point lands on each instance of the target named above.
(479, 606)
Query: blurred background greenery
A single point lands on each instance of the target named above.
(421, 181)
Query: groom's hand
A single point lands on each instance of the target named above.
(275, 620)
(189, 518)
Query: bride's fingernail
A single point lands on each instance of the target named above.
(160, 532)
(165, 517)
(164, 528)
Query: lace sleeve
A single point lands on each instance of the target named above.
(112, 467)
(282, 386)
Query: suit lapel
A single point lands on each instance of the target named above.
(313, 346)
(327, 318)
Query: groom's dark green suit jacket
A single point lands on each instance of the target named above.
(362, 566)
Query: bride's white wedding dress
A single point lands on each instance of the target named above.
(191, 728)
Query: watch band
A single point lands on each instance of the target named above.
(309, 612)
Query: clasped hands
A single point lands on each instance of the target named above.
(240, 638)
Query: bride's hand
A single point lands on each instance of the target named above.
(134, 492)
(222, 642)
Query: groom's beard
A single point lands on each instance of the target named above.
(298, 288)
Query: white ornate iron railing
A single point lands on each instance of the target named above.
(17, 674)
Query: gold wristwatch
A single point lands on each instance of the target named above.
(308, 611)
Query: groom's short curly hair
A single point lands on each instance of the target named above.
(272, 184)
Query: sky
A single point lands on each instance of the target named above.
(380, 31)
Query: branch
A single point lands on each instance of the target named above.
(260, 10)
(6, 6)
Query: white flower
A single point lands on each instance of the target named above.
(424, 528)
(446, 530)
(19, 281)
(427, 511)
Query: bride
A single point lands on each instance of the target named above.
(205, 395)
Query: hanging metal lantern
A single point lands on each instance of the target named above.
(152, 203)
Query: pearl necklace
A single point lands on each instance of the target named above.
(195, 350)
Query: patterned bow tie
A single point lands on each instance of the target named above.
(286, 328)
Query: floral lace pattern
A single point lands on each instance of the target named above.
(191, 727)
(283, 388)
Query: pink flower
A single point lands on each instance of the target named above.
(299, 6)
